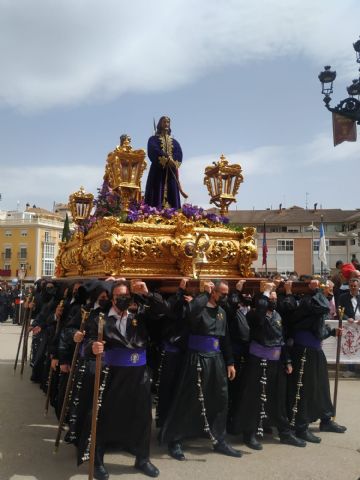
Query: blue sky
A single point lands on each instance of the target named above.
(235, 77)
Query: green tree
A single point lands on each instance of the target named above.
(66, 234)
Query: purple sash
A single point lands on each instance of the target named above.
(82, 350)
(204, 343)
(269, 353)
(307, 339)
(125, 357)
(170, 347)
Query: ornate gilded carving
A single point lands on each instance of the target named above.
(80, 204)
(124, 169)
(223, 181)
(153, 249)
(158, 243)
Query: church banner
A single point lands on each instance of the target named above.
(350, 343)
(344, 129)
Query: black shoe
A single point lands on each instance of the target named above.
(290, 439)
(332, 426)
(251, 442)
(100, 472)
(68, 437)
(146, 467)
(226, 449)
(308, 436)
(175, 451)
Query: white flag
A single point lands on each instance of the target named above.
(322, 245)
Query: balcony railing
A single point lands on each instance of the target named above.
(32, 221)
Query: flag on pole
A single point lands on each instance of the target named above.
(264, 247)
(322, 245)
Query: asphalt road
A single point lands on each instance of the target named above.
(27, 438)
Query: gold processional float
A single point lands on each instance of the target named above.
(118, 235)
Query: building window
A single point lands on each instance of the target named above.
(293, 229)
(316, 245)
(7, 266)
(48, 260)
(336, 243)
(7, 252)
(24, 233)
(8, 233)
(23, 253)
(48, 268)
(285, 245)
(49, 250)
(47, 237)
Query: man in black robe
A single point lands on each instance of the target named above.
(308, 387)
(263, 403)
(201, 399)
(125, 414)
(174, 336)
(237, 307)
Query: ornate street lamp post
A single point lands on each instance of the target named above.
(350, 106)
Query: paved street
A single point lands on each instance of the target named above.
(27, 437)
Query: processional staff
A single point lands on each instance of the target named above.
(26, 321)
(68, 392)
(51, 371)
(19, 346)
(341, 311)
(95, 406)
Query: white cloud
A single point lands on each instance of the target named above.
(56, 53)
(42, 185)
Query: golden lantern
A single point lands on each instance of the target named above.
(81, 204)
(123, 171)
(222, 181)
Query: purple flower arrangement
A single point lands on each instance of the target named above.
(107, 203)
(142, 211)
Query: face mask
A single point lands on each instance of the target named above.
(50, 291)
(122, 303)
(222, 300)
(103, 303)
(246, 301)
(272, 305)
(133, 308)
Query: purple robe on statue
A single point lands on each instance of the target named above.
(162, 189)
